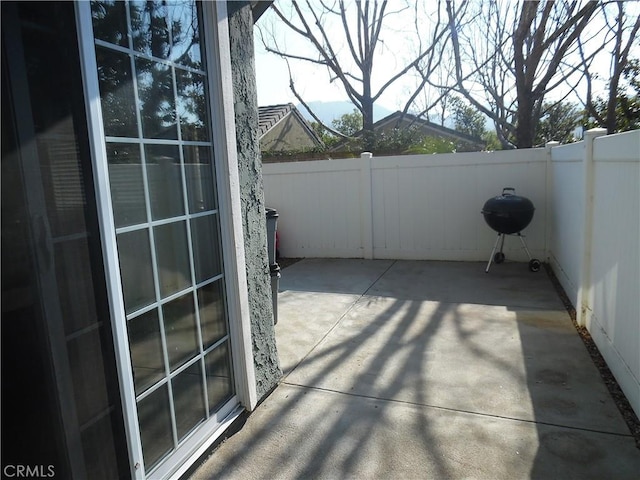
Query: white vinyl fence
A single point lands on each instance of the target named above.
(586, 222)
(594, 244)
(404, 207)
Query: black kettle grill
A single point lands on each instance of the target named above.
(509, 214)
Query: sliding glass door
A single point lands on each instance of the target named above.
(152, 78)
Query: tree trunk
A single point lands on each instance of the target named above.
(525, 126)
(368, 135)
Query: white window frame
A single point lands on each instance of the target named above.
(218, 60)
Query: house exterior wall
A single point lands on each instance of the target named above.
(288, 134)
(252, 198)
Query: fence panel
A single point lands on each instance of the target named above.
(615, 259)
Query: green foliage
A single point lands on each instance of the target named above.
(327, 138)
(467, 119)
(558, 123)
(432, 145)
(627, 105)
(490, 138)
(349, 123)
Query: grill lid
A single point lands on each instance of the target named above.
(508, 202)
(508, 213)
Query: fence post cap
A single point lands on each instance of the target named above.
(366, 155)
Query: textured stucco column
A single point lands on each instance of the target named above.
(252, 197)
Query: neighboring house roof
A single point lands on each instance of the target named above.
(258, 7)
(282, 127)
(407, 120)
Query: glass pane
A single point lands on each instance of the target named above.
(127, 189)
(200, 178)
(100, 456)
(60, 168)
(165, 181)
(87, 373)
(116, 93)
(75, 284)
(180, 330)
(186, 35)
(218, 372)
(134, 254)
(157, 105)
(154, 418)
(146, 350)
(173, 258)
(212, 313)
(191, 105)
(188, 399)
(58, 359)
(110, 22)
(204, 233)
(149, 28)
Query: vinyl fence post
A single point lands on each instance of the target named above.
(548, 199)
(584, 291)
(366, 205)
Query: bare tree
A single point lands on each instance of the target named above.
(351, 60)
(509, 56)
(622, 29)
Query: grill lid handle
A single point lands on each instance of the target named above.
(511, 189)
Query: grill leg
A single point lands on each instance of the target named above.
(524, 245)
(493, 252)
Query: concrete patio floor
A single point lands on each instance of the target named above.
(428, 370)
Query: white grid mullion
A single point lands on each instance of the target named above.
(192, 262)
(156, 141)
(154, 260)
(131, 51)
(164, 221)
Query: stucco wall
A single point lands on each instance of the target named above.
(252, 196)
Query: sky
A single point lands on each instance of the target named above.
(312, 81)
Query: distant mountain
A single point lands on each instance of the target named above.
(329, 111)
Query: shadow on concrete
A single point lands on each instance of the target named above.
(416, 379)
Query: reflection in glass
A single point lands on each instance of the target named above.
(88, 375)
(100, 457)
(188, 399)
(134, 254)
(125, 179)
(109, 22)
(191, 105)
(75, 283)
(212, 313)
(154, 418)
(157, 105)
(146, 350)
(165, 181)
(186, 34)
(200, 184)
(218, 373)
(180, 330)
(149, 28)
(173, 258)
(116, 93)
(204, 234)
(167, 30)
